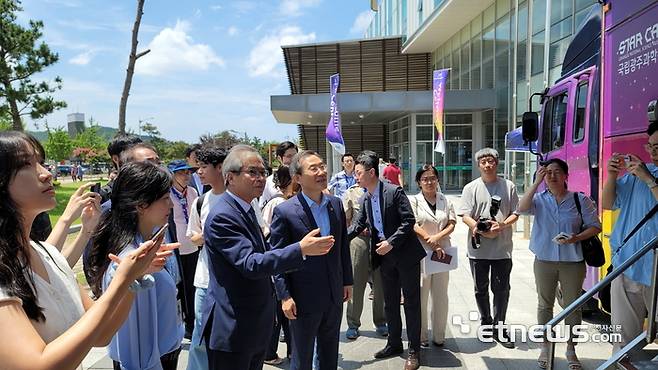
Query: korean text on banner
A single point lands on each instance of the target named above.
(438, 98)
(334, 133)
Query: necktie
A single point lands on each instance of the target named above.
(254, 220)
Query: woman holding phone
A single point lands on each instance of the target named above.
(435, 221)
(152, 335)
(48, 321)
(555, 241)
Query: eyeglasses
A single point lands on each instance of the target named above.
(429, 179)
(318, 168)
(254, 172)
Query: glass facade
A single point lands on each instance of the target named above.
(514, 47)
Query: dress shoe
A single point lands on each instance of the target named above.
(438, 344)
(275, 361)
(503, 338)
(413, 361)
(389, 351)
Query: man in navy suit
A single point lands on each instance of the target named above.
(312, 296)
(239, 311)
(395, 250)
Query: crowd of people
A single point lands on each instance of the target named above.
(215, 249)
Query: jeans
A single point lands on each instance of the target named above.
(198, 358)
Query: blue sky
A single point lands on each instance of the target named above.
(212, 67)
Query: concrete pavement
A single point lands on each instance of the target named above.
(462, 349)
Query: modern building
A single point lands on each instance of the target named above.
(75, 124)
(499, 52)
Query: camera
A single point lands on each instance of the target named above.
(484, 223)
(651, 111)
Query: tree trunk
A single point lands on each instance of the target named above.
(131, 68)
(17, 124)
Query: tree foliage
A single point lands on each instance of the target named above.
(59, 145)
(20, 59)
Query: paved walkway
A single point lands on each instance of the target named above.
(462, 350)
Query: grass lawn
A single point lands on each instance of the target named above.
(63, 193)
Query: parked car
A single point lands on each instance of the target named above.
(64, 169)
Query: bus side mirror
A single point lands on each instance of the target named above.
(530, 127)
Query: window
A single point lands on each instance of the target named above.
(580, 118)
(420, 13)
(554, 122)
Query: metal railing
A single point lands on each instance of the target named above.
(651, 331)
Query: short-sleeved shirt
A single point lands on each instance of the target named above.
(60, 298)
(552, 218)
(340, 182)
(353, 201)
(392, 174)
(634, 200)
(475, 202)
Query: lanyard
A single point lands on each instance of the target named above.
(182, 200)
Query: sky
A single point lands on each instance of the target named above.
(212, 67)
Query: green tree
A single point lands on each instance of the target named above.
(150, 130)
(20, 59)
(90, 138)
(59, 145)
(176, 150)
(5, 122)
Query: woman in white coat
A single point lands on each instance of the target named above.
(435, 221)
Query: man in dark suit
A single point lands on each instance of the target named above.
(312, 296)
(395, 250)
(239, 310)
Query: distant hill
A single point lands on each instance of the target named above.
(107, 133)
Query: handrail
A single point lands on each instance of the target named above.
(653, 244)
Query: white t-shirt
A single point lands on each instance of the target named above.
(201, 275)
(60, 299)
(268, 193)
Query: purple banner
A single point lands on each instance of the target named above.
(333, 132)
(438, 98)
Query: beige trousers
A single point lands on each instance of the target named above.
(435, 285)
(629, 303)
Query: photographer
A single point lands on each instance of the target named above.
(491, 257)
(555, 241)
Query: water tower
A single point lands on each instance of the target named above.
(76, 123)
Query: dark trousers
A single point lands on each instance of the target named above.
(280, 323)
(407, 278)
(499, 270)
(188, 266)
(220, 360)
(168, 361)
(325, 326)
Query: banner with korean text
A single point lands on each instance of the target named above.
(439, 79)
(334, 133)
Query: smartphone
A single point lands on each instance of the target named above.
(96, 188)
(160, 231)
(627, 160)
(446, 258)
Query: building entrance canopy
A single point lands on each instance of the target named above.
(373, 107)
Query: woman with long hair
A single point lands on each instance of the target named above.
(152, 335)
(47, 320)
(557, 231)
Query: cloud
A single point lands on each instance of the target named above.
(361, 23)
(174, 50)
(266, 56)
(244, 6)
(82, 59)
(215, 7)
(294, 7)
(232, 31)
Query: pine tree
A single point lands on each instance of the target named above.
(20, 59)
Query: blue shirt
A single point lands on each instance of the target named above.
(340, 182)
(552, 218)
(635, 200)
(320, 213)
(154, 326)
(377, 211)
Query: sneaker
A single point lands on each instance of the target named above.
(382, 330)
(503, 338)
(424, 344)
(352, 333)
